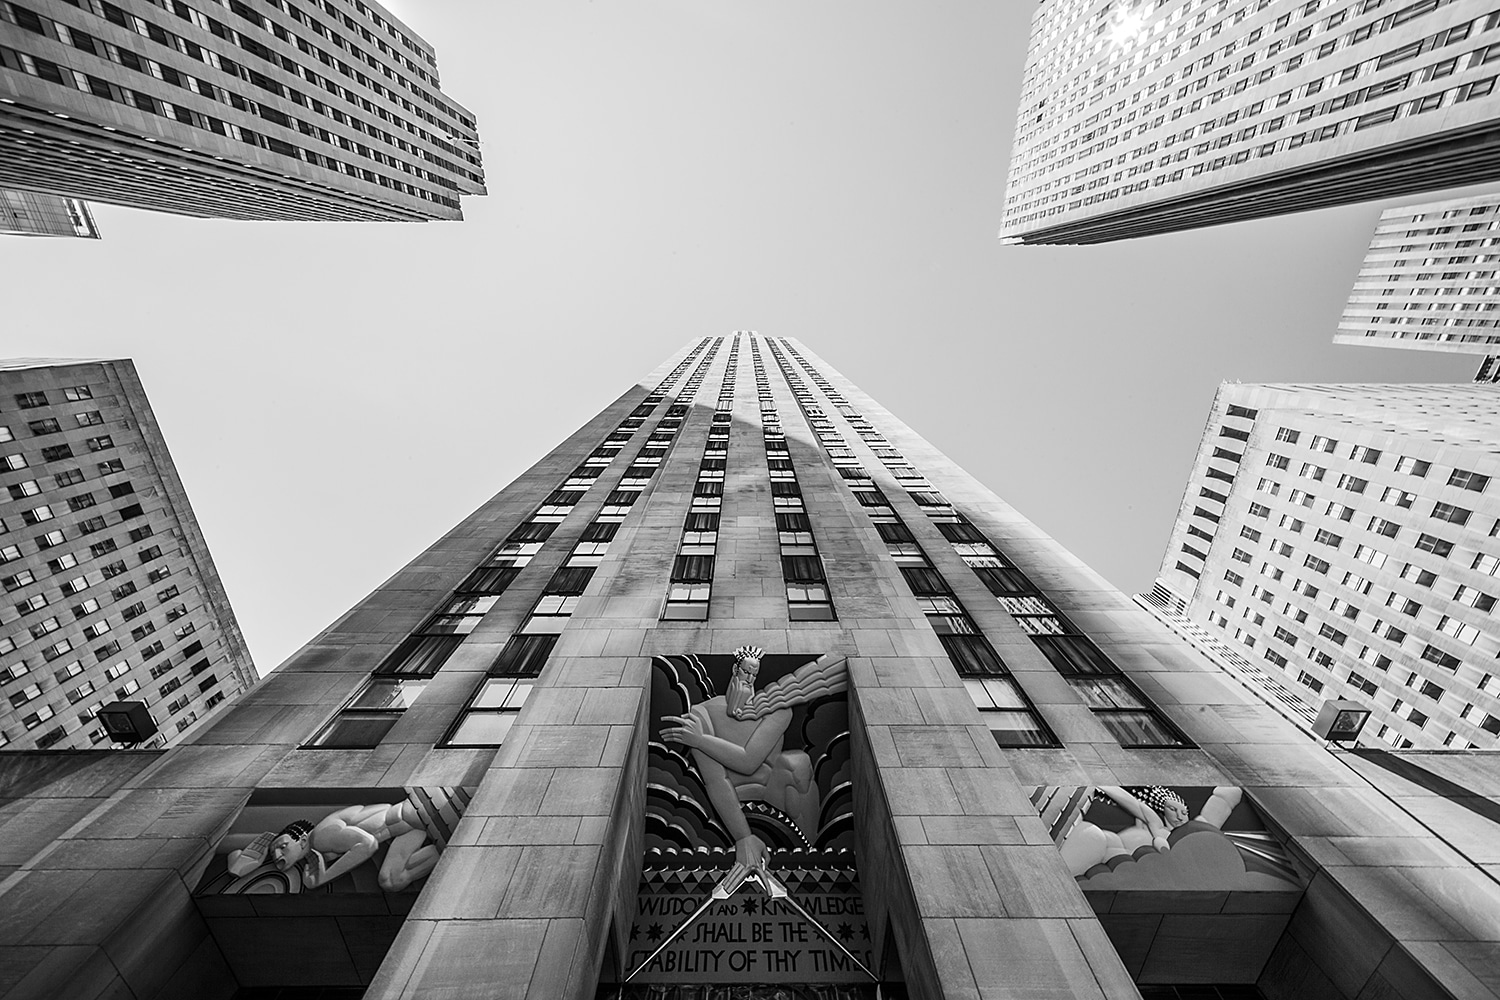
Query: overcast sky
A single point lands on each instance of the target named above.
(336, 396)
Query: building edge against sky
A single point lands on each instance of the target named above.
(1428, 280)
(263, 109)
(1340, 541)
(110, 591)
(27, 213)
(1160, 115)
(746, 493)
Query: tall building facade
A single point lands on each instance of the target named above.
(746, 684)
(1428, 281)
(1343, 538)
(1158, 115)
(109, 590)
(26, 213)
(260, 109)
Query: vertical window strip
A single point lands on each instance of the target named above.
(1115, 700)
(493, 707)
(1012, 718)
(807, 595)
(691, 583)
(399, 679)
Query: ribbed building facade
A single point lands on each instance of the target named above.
(241, 109)
(745, 686)
(1343, 540)
(1428, 281)
(109, 591)
(27, 213)
(1154, 116)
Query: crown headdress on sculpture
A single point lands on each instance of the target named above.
(748, 653)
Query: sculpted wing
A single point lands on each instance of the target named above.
(828, 674)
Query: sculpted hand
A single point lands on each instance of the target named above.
(750, 851)
(313, 869)
(688, 731)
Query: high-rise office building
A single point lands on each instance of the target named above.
(27, 213)
(1150, 116)
(745, 683)
(1428, 281)
(1342, 540)
(261, 109)
(110, 594)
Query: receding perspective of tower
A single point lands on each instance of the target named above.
(1428, 281)
(110, 594)
(235, 109)
(1150, 116)
(26, 213)
(1341, 541)
(746, 684)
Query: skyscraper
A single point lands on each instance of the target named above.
(1157, 115)
(110, 592)
(26, 213)
(1342, 538)
(1428, 282)
(745, 683)
(260, 109)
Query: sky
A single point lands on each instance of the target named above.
(338, 395)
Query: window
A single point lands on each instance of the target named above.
(41, 427)
(1400, 498)
(1360, 453)
(1259, 510)
(68, 477)
(1468, 480)
(1126, 713)
(22, 490)
(1287, 434)
(371, 713)
(493, 706)
(1241, 411)
(76, 393)
(11, 463)
(1332, 634)
(1381, 526)
(31, 400)
(88, 419)
(1454, 515)
(122, 489)
(1006, 711)
(1277, 461)
(1324, 537)
(1321, 443)
(1286, 637)
(57, 452)
(1366, 554)
(1315, 564)
(1432, 654)
(1352, 483)
(1474, 599)
(101, 443)
(1412, 466)
(1433, 544)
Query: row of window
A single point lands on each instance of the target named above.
(1113, 699)
(489, 713)
(807, 595)
(691, 583)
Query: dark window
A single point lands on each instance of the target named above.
(693, 569)
(523, 656)
(802, 569)
(122, 489)
(533, 531)
(972, 655)
(57, 452)
(570, 580)
(925, 581)
(489, 580)
(1074, 654)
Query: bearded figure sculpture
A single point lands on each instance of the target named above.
(737, 740)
